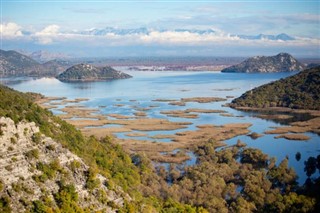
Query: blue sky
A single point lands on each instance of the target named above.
(60, 25)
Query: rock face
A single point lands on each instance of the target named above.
(87, 72)
(33, 165)
(282, 62)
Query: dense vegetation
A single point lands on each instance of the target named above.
(235, 179)
(301, 91)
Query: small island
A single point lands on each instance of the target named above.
(283, 62)
(87, 72)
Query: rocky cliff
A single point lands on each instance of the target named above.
(37, 171)
(283, 62)
(87, 72)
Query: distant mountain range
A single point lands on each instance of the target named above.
(283, 62)
(13, 63)
(146, 31)
(142, 30)
(87, 72)
(282, 36)
(42, 56)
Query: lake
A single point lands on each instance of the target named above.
(123, 96)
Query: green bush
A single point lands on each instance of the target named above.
(5, 204)
(34, 153)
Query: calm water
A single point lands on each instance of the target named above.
(139, 91)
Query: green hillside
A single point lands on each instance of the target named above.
(301, 91)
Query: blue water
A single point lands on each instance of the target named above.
(139, 91)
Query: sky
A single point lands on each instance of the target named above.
(105, 28)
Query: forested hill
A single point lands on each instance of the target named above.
(87, 72)
(283, 62)
(301, 91)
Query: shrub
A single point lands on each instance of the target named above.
(13, 140)
(74, 165)
(5, 204)
(1, 185)
(51, 147)
(34, 153)
(8, 168)
(36, 138)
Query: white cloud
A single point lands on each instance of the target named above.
(48, 34)
(10, 30)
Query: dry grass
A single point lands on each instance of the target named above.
(118, 105)
(300, 137)
(140, 114)
(287, 129)
(203, 99)
(184, 140)
(164, 100)
(102, 132)
(177, 103)
(255, 135)
(119, 116)
(204, 110)
(179, 113)
(188, 112)
(227, 115)
(160, 136)
(136, 134)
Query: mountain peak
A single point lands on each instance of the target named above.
(283, 62)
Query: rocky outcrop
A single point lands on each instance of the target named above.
(87, 72)
(33, 165)
(282, 62)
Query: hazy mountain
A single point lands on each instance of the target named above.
(44, 56)
(13, 63)
(282, 36)
(301, 91)
(87, 72)
(283, 62)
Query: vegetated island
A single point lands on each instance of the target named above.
(300, 91)
(283, 62)
(87, 72)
